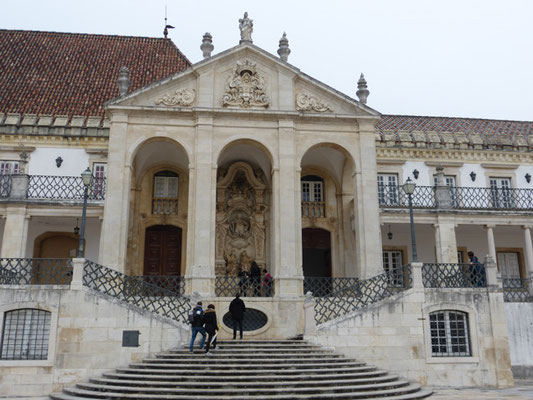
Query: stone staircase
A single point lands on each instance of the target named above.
(247, 370)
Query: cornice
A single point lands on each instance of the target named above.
(384, 153)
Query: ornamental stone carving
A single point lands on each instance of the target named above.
(307, 102)
(181, 97)
(245, 87)
(240, 219)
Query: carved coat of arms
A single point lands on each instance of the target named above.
(245, 87)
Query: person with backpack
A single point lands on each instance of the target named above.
(211, 326)
(196, 319)
(237, 309)
(267, 282)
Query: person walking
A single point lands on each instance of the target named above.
(255, 278)
(267, 282)
(237, 309)
(243, 281)
(476, 271)
(211, 326)
(197, 326)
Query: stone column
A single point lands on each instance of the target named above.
(290, 272)
(490, 241)
(200, 270)
(15, 236)
(529, 256)
(114, 234)
(367, 234)
(445, 241)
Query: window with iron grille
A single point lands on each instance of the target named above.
(449, 334)
(25, 334)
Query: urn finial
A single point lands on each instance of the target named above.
(284, 50)
(123, 80)
(362, 89)
(207, 45)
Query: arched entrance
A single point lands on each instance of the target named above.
(56, 245)
(316, 247)
(162, 250)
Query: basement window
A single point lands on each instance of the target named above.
(25, 335)
(449, 334)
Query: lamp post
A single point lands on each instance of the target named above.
(87, 178)
(409, 189)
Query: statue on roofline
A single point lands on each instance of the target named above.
(246, 25)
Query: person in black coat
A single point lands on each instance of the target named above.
(237, 309)
(211, 326)
(255, 278)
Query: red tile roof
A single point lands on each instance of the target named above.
(485, 127)
(74, 74)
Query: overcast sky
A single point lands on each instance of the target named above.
(441, 58)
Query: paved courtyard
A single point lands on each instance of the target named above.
(523, 390)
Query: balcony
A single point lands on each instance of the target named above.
(39, 188)
(314, 209)
(458, 198)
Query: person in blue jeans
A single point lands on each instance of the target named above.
(197, 326)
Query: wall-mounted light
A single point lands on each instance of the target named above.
(76, 228)
(473, 176)
(415, 173)
(389, 234)
(528, 178)
(59, 161)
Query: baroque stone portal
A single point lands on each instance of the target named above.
(241, 219)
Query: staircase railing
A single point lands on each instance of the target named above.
(447, 275)
(136, 291)
(517, 290)
(362, 294)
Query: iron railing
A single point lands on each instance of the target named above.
(49, 187)
(461, 198)
(5, 185)
(35, 271)
(517, 290)
(324, 286)
(173, 283)
(314, 209)
(454, 275)
(395, 196)
(229, 286)
(362, 294)
(136, 291)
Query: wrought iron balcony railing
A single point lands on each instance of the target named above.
(454, 275)
(314, 209)
(49, 187)
(361, 294)
(229, 286)
(460, 198)
(517, 290)
(5, 186)
(35, 271)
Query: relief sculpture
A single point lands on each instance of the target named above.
(241, 231)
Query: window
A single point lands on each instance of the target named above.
(9, 167)
(449, 334)
(388, 189)
(509, 264)
(312, 188)
(392, 263)
(99, 173)
(165, 196)
(501, 192)
(25, 335)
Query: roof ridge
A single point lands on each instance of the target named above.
(86, 34)
(456, 118)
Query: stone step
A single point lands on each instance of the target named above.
(214, 377)
(139, 382)
(410, 392)
(226, 354)
(249, 372)
(211, 362)
(216, 358)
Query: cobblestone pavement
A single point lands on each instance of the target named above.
(523, 390)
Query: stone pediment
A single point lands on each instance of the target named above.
(245, 78)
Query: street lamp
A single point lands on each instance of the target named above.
(87, 178)
(409, 188)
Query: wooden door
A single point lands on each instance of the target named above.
(316, 246)
(162, 250)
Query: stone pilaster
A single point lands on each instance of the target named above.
(200, 270)
(529, 256)
(15, 232)
(445, 241)
(19, 187)
(113, 239)
(366, 211)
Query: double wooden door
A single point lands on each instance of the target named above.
(162, 250)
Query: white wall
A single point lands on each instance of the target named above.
(42, 161)
(466, 180)
(520, 326)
